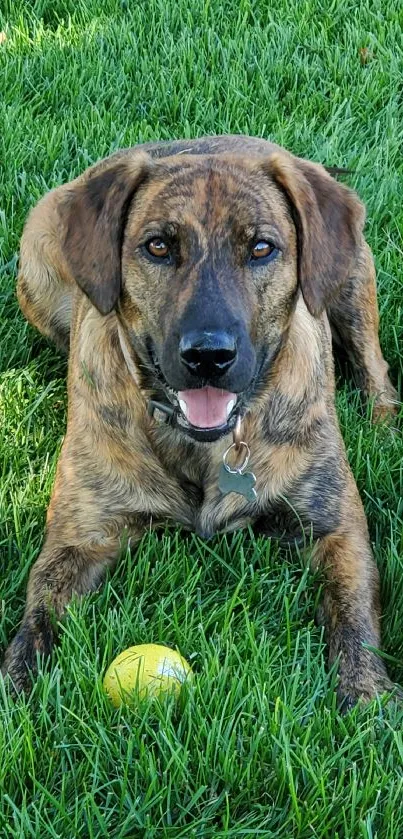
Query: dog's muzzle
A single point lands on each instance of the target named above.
(204, 413)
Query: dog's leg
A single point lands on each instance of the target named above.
(355, 320)
(57, 575)
(327, 503)
(350, 614)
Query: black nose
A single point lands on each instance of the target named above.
(207, 354)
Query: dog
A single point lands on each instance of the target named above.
(195, 286)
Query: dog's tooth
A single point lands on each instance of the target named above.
(183, 406)
(230, 406)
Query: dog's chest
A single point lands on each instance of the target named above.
(208, 502)
(212, 513)
(210, 509)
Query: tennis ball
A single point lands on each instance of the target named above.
(145, 670)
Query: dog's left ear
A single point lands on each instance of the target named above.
(329, 219)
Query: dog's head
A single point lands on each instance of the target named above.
(204, 257)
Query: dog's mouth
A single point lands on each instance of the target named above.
(207, 413)
(207, 407)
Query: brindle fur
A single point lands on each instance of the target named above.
(119, 467)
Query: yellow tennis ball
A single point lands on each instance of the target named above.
(145, 670)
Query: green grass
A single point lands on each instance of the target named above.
(256, 747)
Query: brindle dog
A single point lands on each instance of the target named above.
(203, 278)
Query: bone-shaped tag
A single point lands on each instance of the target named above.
(242, 483)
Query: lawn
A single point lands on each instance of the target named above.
(256, 748)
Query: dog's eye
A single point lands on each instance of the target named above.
(262, 250)
(157, 247)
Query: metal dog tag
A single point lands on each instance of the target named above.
(233, 480)
(236, 479)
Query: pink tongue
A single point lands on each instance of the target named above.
(206, 407)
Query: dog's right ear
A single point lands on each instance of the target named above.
(93, 215)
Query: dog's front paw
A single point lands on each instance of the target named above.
(21, 658)
(350, 693)
(385, 407)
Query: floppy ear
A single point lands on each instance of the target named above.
(93, 215)
(329, 219)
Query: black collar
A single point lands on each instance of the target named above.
(169, 412)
